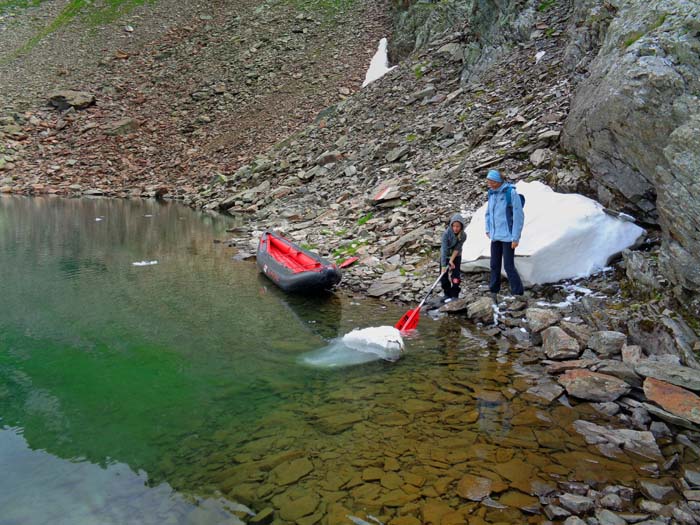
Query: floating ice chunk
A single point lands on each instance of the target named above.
(98, 219)
(565, 236)
(144, 263)
(379, 65)
(357, 347)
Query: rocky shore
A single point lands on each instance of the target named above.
(377, 173)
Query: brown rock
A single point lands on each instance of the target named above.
(559, 345)
(291, 471)
(433, 511)
(540, 318)
(474, 488)
(676, 400)
(592, 386)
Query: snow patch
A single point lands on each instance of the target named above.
(566, 236)
(144, 263)
(357, 347)
(379, 65)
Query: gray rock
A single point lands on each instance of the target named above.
(608, 408)
(640, 443)
(632, 354)
(636, 121)
(396, 246)
(548, 390)
(639, 271)
(580, 331)
(121, 126)
(618, 369)
(540, 318)
(574, 520)
(558, 345)
(656, 491)
(386, 284)
(396, 154)
(327, 157)
(65, 99)
(593, 386)
(481, 310)
(692, 477)
(607, 343)
(659, 336)
(676, 375)
(606, 517)
(668, 417)
(575, 503)
(555, 512)
(611, 501)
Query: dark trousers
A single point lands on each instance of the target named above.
(451, 279)
(502, 250)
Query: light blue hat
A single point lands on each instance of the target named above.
(494, 175)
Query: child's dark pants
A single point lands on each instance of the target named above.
(451, 279)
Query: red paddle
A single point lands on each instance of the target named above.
(409, 320)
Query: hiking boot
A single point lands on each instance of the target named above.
(494, 297)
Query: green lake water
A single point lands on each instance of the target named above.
(168, 393)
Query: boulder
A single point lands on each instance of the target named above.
(682, 376)
(66, 98)
(592, 386)
(481, 310)
(559, 345)
(635, 120)
(540, 318)
(674, 399)
(607, 343)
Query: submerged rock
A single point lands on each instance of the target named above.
(592, 386)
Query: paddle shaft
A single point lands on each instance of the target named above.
(417, 309)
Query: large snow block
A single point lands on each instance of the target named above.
(565, 236)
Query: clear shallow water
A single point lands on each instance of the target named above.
(168, 393)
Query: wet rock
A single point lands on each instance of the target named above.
(559, 345)
(692, 476)
(65, 99)
(434, 511)
(481, 310)
(593, 386)
(539, 318)
(292, 471)
(674, 399)
(554, 512)
(337, 423)
(656, 491)
(455, 306)
(608, 439)
(574, 520)
(405, 520)
(292, 510)
(517, 499)
(682, 376)
(547, 390)
(576, 504)
(474, 488)
(264, 517)
(606, 517)
(607, 343)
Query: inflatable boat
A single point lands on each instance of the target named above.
(293, 268)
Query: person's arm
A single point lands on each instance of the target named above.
(518, 218)
(488, 217)
(443, 252)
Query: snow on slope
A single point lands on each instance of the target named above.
(565, 236)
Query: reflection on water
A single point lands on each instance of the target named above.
(43, 488)
(167, 393)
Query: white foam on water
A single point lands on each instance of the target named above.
(144, 263)
(357, 347)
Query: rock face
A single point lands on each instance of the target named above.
(636, 122)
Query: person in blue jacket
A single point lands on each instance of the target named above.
(503, 227)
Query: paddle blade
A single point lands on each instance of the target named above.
(409, 320)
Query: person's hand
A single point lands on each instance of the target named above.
(452, 265)
(514, 244)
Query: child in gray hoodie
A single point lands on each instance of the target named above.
(451, 256)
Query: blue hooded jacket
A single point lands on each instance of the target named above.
(452, 242)
(496, 219)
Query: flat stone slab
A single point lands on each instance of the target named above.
(641, 443)
(676, 400)
(540, 318)
(592, 386)
(677, 375)
(559, 345)
(474, 488)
